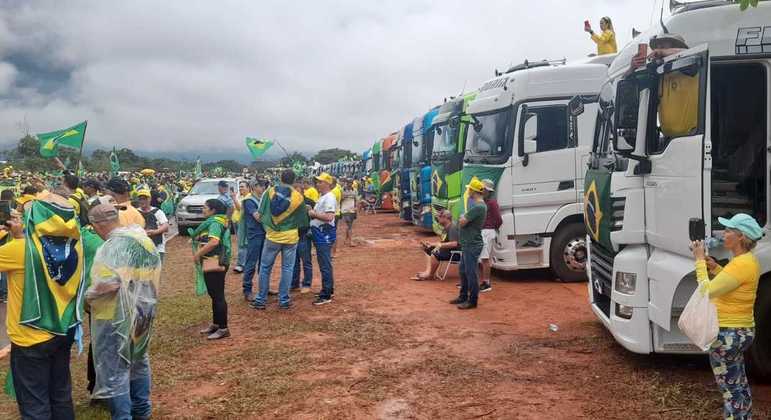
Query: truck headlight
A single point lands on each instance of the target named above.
(623, 311)
(626, 282)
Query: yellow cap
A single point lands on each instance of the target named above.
(476, 186)
(144, 193)
(311, 194)
(325, 177)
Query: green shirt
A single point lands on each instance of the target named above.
(471, 234)
(215, 227)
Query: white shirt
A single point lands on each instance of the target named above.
(326, 204)
(161, 218)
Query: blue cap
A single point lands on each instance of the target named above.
(745, 224)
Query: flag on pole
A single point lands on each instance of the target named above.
(69, 137)
(114, 163)
(198, 171)
(258, 147)
(81, 171)
(298, 167)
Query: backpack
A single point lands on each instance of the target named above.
(84, 208)
(151, 223)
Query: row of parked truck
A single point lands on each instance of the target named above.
(590, 185)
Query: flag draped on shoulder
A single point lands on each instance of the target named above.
(72, 138)
(114, 163)
(283, 209)
(258, 147)
(53, 268)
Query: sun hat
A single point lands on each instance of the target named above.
(489, 185)
(745, 224)
(325, 177)
(476, 186)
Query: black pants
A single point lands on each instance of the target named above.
(215, 285)
(41, 379)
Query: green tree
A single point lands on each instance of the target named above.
(744, 4)
(287, 161)
(331, 155)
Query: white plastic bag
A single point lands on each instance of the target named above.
(699, 320)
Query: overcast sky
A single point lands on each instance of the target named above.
(173, 75)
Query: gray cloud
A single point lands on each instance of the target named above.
(186, 75)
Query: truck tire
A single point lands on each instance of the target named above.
(568, 253)
(759, 355)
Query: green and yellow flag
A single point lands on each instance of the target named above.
(114, 163)
(53, 268)
(69, 137)
(258, 147)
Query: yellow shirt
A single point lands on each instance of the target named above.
(12, 262)
(338, 192)
(733, 290)
(678, 104)
(287, 237)
(129, 215)
(606, 42)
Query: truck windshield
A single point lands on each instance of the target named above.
(489, 136)
(446, 139)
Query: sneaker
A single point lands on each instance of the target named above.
(467, 305)
(220, 333)
(208, 330)
(238, 269)
(305, 290)
(457, 301)
(485, 287)
(258, 306)
(316, 295)
(285, 306)
(322, 301)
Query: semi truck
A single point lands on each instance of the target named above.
(450, 125)
(679, 140)
(401, 172)
(522, 138)
(420, 171)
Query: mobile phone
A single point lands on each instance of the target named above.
(587, 24)
(642, 50)
(696, 229)
(5, 211)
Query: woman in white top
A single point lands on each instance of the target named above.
(348, 206)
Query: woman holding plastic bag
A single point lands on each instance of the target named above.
(211, 252)
(732, 289)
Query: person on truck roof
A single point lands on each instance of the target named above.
(606, 41)
(733, 290)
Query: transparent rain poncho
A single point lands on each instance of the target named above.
(123, 295)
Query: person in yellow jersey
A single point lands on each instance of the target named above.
(606, 41)
(338, 192)
(732, 289)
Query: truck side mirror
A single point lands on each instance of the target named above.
(576, 106)
(528, 135)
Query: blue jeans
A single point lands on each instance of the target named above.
(324, 257)
(304, 254)
(252, 258)
(241, 259)
(136, 402)
(269, 252)
(469, 282)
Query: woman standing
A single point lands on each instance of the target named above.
(348, 206)
(213, 236)
(606, 41)
(732, 290)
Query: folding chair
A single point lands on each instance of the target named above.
(452, 261)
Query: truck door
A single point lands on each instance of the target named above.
(544, 172)
(677, 187)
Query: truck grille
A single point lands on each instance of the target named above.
(195, 209)
(602, 276)
(617, 213)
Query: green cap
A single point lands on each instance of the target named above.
(745, 224)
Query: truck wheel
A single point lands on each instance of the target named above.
(568, 253)
(759, 355)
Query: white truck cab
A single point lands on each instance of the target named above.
(523, 138)
(680, 139)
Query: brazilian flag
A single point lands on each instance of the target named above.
(114, 163)
(71, 138)
(283, 209)
(53, 268)
(257, 147)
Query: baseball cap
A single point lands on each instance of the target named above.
(745, 224)
(489, 184)
(476, 186)
(325, 177)
(144, 193)
(118, 186)
(102, 213)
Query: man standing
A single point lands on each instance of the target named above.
(324, 235)
(338, 192)
(254, 235)
(471, 246)
(123, 297)
(493, 221)
(127, 213)
(226, 196)
(156, 222)
(303, 261)
(282, 212)
(238, 218)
